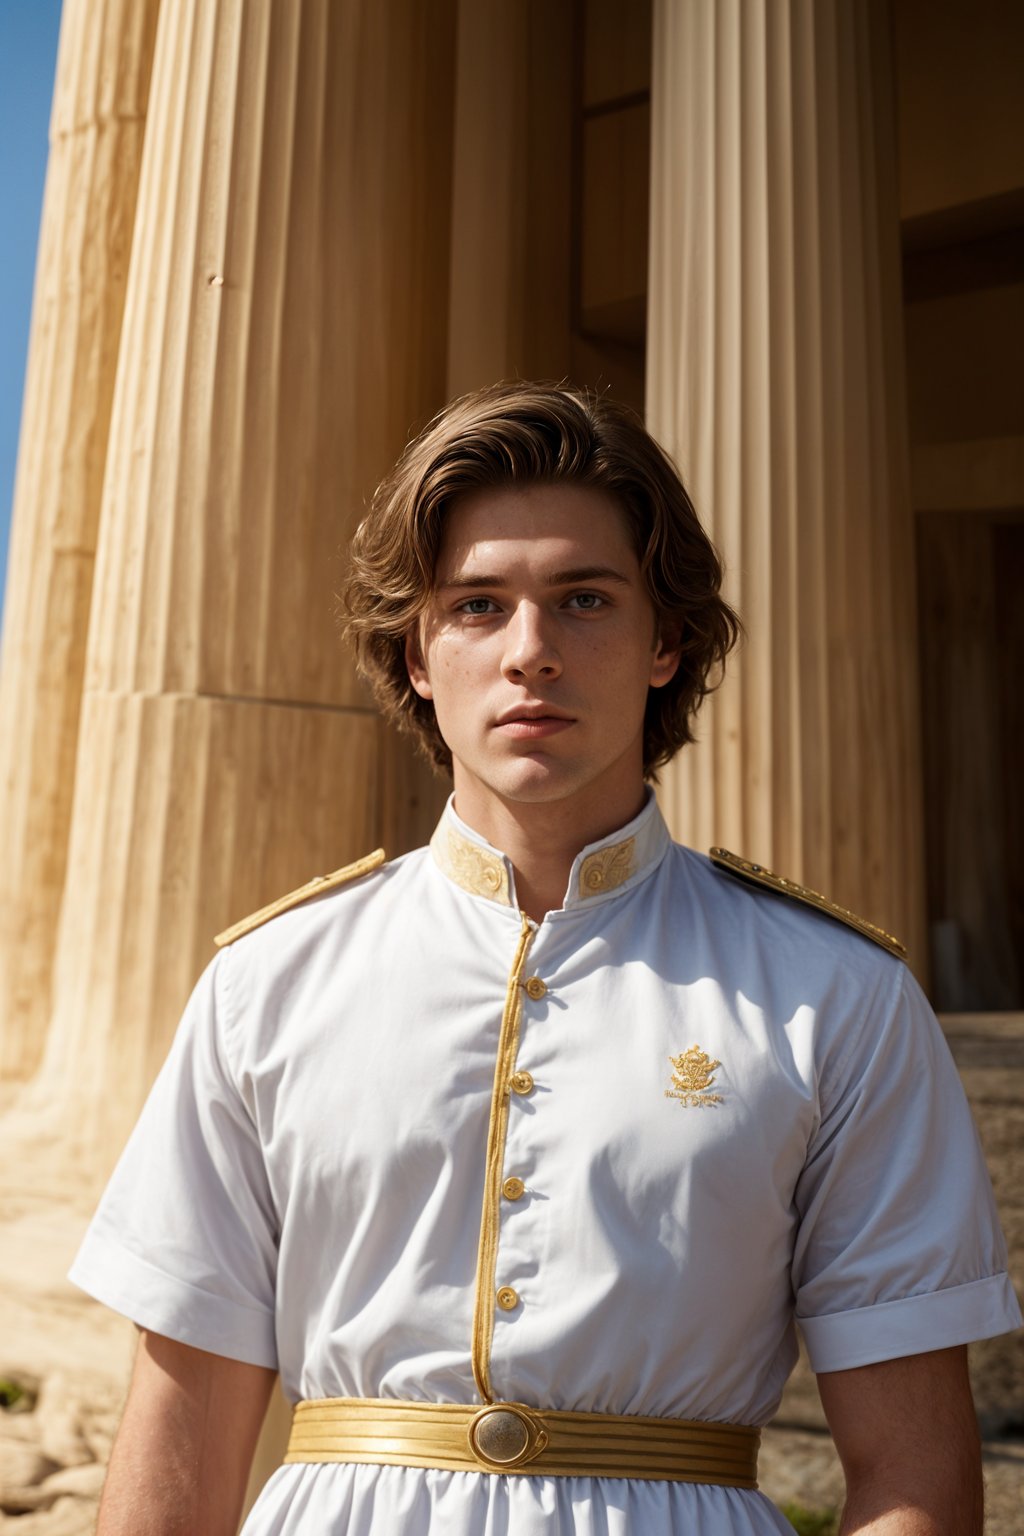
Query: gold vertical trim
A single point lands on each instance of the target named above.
(497, 1130)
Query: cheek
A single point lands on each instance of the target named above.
(455, 678)
(628, 665)
(452, 657)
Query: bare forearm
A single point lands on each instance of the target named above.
(881, 1511)
(181, 1458)
(159, 1484)
(908, 1439)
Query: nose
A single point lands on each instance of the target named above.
(530, 647)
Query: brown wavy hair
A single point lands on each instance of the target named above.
(518, 434)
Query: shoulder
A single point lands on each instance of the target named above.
(318, 886)
(285, 974)
(760, 924)
(763, 880)
(799, 964)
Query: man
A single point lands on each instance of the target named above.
(520, 1155)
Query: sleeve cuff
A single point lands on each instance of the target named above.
(162, 1303)
(935, 1320)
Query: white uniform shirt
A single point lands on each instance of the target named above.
(305, 1185)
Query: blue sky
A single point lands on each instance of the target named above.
(28, 56)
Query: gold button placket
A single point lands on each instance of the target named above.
(491, 1297)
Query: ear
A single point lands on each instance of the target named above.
(416, 666)
(667, 655)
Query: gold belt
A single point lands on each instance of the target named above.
(508, 1437)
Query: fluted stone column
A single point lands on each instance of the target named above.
(97, 125)
(510, 303)
(775, 380)
(285, 328)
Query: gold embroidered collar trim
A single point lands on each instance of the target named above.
(477, 870)
(597, 871)
(607, 868)
(757, 874)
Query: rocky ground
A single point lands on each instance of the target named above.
(53, 1455)
(69, 1359)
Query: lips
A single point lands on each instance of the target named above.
(533, 722)
(533, 713)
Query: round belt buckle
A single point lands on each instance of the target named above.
(503, 1436)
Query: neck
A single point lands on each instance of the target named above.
(542, 840)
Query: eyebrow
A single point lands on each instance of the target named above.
(570, 578)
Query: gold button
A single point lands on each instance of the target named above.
(513, 1189)
(535, 988)
(522, 1082)
(507, 1298)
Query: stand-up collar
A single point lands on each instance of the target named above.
(599, 870)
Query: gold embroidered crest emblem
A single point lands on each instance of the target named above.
(693, 1078)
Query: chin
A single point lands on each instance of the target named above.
(536, 783)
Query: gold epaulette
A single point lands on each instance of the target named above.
(315, 887)
(766, 879)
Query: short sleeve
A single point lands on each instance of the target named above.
(898, 1248)
(185, 1238)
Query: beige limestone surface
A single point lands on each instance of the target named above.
(284, 329)
(775, 380)
(96, 135)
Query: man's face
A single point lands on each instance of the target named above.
(538, 649)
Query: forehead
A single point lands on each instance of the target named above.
(565, 523)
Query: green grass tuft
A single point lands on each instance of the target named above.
(811, 1522)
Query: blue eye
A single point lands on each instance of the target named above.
(587, 601)
(476, 607)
